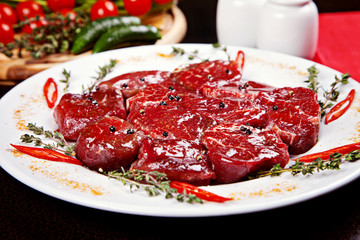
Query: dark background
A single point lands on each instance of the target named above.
(28, 214)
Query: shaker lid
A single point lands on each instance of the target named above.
(291, 2)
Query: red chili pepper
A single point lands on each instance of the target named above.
(240, 58)
(46, 154)
(338, 110)
(50, 100)
(198, 192)
(326, 155)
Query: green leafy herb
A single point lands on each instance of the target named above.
(333, 163)
(56, 36)
(313, 78)
(195, 54)
(66, 80)
(102, 72)
(154, 183)
(331, 95)
(60, 142)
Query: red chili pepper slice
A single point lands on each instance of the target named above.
(240, 58)
(46, 154)
(198, 192)
(326, 154)
(50, 100)
(338, 110)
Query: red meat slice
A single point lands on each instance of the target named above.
(194, 76)
(241, 89)
(153, 94)
(239, 110)
(109, 144)
(294, 114)
(75, 111)
(163, 122)
(180, 160)
(131, 83)
(236, 150)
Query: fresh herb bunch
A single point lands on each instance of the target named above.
(154, 183)
(56, 36)
(331, 95)
(333, 163)
(60, 144)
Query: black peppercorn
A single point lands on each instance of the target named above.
(228, 71)
(94, 102)
(112, 129)
(142, 79)
(125, 85)
(275, 108)
(165, 134)
(177, 98)
(163, 103)
(171, 88)
(171, 97)
(221, 104)
(130, 131)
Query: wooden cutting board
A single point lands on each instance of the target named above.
(173, 27)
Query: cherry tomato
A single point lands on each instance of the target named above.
(28, 9)
(56, 5)
(7, 14)
(103, 8)
(29, 28)
(6, 33)
(162, 1)
(137, 7)
(67, 12)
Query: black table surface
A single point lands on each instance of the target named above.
(28, 214)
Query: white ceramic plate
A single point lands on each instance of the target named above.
(25, 103)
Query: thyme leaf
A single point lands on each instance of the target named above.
(60, 144)
(66, 80)
(331, 95)
(333, 163)
(154, 183)
(102, 72)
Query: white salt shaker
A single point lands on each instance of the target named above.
(289, 26)
(236, 21)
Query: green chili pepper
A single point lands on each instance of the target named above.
(92, 31)
(117, 36)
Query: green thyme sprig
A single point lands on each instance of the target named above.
(223, 48)
(313, 78)
(102, 72)
(154, 183)
(191, 55)
(331, 95)
(195, 53)
(318, 165)
(66, 75)
(60, 144)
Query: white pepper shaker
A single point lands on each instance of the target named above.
(236, 21)
(289, 26)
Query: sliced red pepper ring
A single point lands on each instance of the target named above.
(182, 187)
(326, 154)
(339, 109)
(46, 154)
(50, 97)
